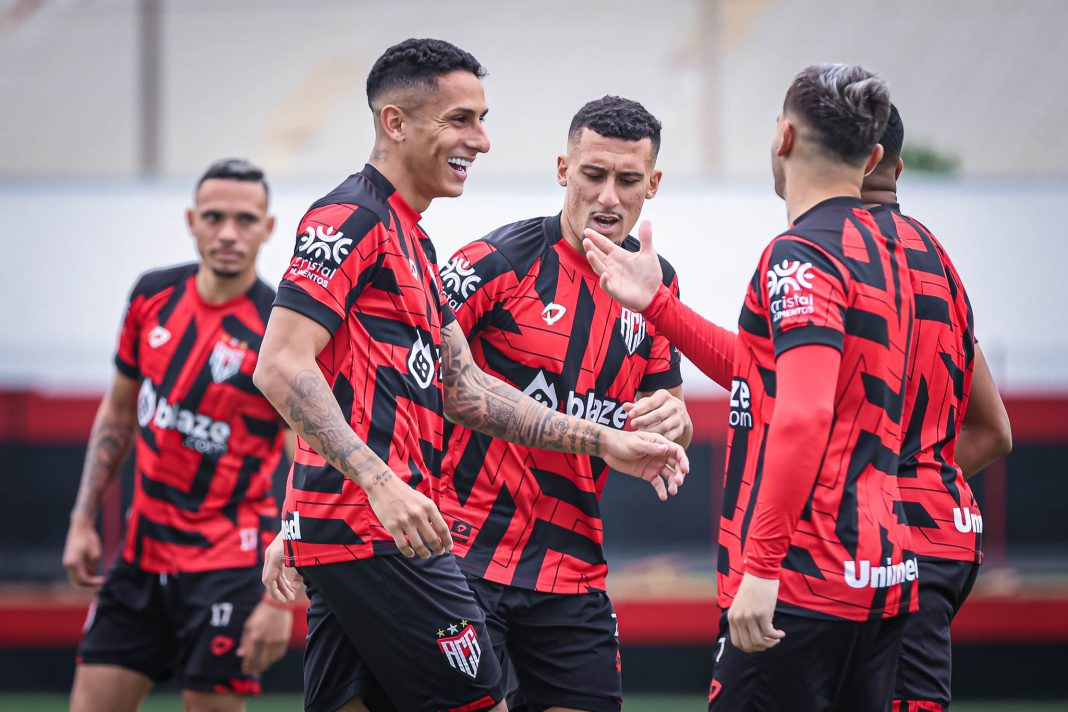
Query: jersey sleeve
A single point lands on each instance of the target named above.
(476, 281)
(806, 295)
(127, 352)
(664, 367)
(336, 255)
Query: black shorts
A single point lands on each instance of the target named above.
(162, 625)
(403, 634)
(820, 666)
(561, 649)
(925, 667)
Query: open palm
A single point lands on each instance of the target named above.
(631, 278)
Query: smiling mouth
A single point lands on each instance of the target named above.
(459, 165)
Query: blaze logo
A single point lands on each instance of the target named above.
(542, 391)
(632, 329)
(421, 362)
(203, 434)
(459, 279)
(741, 405)
(552, 313)
(322, 242)
(461, 650)
(221, 645)
(789, 277)
(460, 531)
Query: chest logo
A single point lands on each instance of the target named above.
(421, 363)
(226, 358)
(158, 336)
(322, 242)
(632, 329)
(553, 313)
(542, 391)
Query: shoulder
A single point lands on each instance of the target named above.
(157, 280)
(521, 243)
(262, 297)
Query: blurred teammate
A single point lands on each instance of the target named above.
(814, 568)
(363, 356)
(955, 424)
(526, 523)
(185, 597)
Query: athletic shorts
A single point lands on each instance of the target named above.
(403, 634)
(925, 667)
(162, 625)
(820, 666)
(561, 649)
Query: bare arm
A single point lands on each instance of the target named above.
(985, 434)
(288, 375)
(664, 412)
(109, 443)
(484, 403)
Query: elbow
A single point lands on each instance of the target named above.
(266, 376)
(1002, 440)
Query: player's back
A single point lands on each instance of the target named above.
(935, 499)
(832, 279)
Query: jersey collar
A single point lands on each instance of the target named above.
(406, 212)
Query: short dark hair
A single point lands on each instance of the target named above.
(418, 63)
(893, 137)
(845, 105)
(616, 117)
(234, 169)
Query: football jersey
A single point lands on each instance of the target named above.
(208, 440)
(364, 269)
(935, 499)
(831, 279)
(536, 318)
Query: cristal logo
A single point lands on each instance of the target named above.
(322, 242)
(789, 276)
(869, 576)
(552, 313)
(632, 329)
(291, 527)
(202, 433)
(421, 362)
(967, 521)
(741, 415)
(542, 391)
(459, 278)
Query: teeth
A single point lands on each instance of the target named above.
(460, 162)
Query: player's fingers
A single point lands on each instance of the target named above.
(415, 540)
(431, 538)
(768, 631)
(402, 545)
(441, 529)
(596, 262)
(645, 236)
(668, 475)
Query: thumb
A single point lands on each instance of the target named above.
(645, 236)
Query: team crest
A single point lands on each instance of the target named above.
(632, 329)
(459, 645)
(226, 358)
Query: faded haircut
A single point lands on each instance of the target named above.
(234, 169)
(845, 106)
(616, 117)
(417, 63)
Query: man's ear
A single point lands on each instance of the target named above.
(561, 169)
(874, 158)
(394, 122)
(786, 137)
(654, 184)
(900, 167)
(190, 215)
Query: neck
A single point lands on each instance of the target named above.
(214, 289)
(875, 198)
(388, 164)
(809, 185)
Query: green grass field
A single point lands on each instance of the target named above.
(635, 703)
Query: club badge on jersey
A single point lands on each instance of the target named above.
(461, 649)
(226, 358)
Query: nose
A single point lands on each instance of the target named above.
(228, 230)
(479, 140)
(608, 197)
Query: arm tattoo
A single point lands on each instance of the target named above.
(313, 411)
(109, 444)
(484, 403)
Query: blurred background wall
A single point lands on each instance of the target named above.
(110, 109)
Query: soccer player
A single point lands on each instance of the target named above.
(955, 424)
(185, 597)
(364, 357)
(814, 568)
(526, 523)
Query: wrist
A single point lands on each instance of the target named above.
(266, 599)
(656, 305)
(79, 517)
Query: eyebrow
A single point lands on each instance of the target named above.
(466, 110)
(599, 167)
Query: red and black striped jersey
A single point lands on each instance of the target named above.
(208, 440)
(364, 269)
(536, 318)
(936, 500)
(831, 279)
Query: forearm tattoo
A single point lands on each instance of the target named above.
(311, 410)
(481, 402)
(109, 444)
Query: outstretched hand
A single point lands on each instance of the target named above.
(647, 456)
(631, 278)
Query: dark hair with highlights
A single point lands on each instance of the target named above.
(616, 117)
(418, 63)
(234, 169)
(844, 105)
